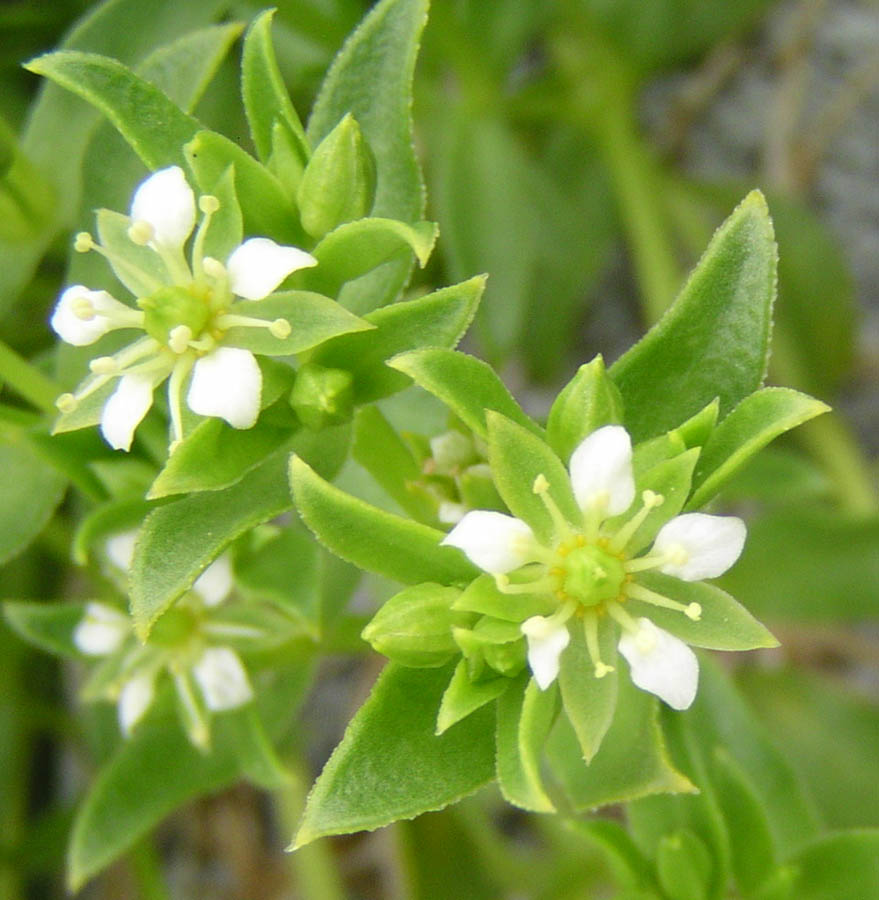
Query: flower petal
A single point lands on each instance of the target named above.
(215, 583)
(661, 664)
(166, 202)
(101, 631)
(706, 545)
(72, 328)
(120, 549)
(222, 679)
(546, 640)
(259, 265)
(227, 383)
(125, 410)
(495, 542)
(135, 699)
(601, 470)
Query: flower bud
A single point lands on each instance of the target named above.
(338, 184)
(321, 396)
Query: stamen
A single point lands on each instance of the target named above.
(595, 514)
(83, 242)
(179, 338)
(626, 622)
(141, 233)
(83, 308)
(175, 391)
(651, 561)
(650, 501)
(66, 403)
(213, 268)
(541, 488)
(104, 365)
(195, 724)
(208, 204)
(280, 329)
(539, 586)
(590, 629)
(639, 592)
(118, 262)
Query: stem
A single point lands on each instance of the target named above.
(27, 380)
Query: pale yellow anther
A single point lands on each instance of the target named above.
(652, 499)
(83, 309)
(179, 338)
(693, 611)
(280, 329)
(678, 555)
(66, 403)
(141, 233)
(645, 641)
(83, 242)
(208, 204)
(602, 669)
(213, 268)
(541, 485)
(104, 365)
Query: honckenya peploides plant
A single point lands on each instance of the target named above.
(186, 308)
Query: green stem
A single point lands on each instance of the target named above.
(147, 868)
(27, 380)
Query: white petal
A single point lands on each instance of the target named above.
(259, 265)
(134, 700)
(227, 383)
(495, 542)
(706, 545)
(120, 549)
(70, 327)
(450, 513)
(101, 631)
(215, 583)
(222, 679)
(546, 640)
(166, 202)
(125, 410)
(661, 664)
(601, 469)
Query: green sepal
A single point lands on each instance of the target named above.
(338, 184)
(49, 626)
(589, 702)
(683, 865)
(483, 596)
(226, 228)
(517, 457)
(438, 319)
(467, 385)
(414, 627)
(714, 339)
(129, 261)
(372, 539)
(525, 715)
(756, 421)
(463, 696)
(725, 624)
(587, 402)
(391, 765)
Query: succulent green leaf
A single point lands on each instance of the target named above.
(266, 100)
(725, 624)
(375, 540)
(683, 865)
(48, 626)
(391, 765)
(517, 457)
(714, 339)
(483, 596)
(467, 385)
(589, 702)
(587, 402)
(756, 421)
(525, 715)
(112, 517)
(464, 696)
(435, 320)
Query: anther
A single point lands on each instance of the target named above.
(590, 630)
(541, 489)
(602, 669)
(650, 501)
(141, 233)
(541, 485)
(83, 309)
(213, 268)
(280, 329)
(104, 365)
(179, 338)
(83, 242)
(208, 204)
(66, 403)
(693, 611)
(645, 595)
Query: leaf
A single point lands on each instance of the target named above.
(587, 402)
(314, 319)
(138, 787)
(435, 320)
(632, 762)
(390, 765)
(356, 248)
(372, 539)
(589, 702)
(463, 696)
(113, 234)
(154, 126)
(48, 626)
(178, 540)
(30, 491)
(371, 78)
(714, 339)
(266, 100)
(525, 715)
(483, 596)
(756, 421)
(683, 865)
(226, 230)
(724, 624)
(467, 385)
(517, 458)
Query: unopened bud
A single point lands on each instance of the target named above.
(322, 396)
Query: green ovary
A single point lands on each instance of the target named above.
(590, 575)
(171, 307)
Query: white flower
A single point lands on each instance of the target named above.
(135, 698)
(101, 631)
(586, 570)
(215, 584)
(222, 679)
(186, 317)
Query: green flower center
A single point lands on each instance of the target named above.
(173, 306)
(588, 573)
(174, 628)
